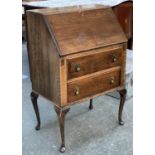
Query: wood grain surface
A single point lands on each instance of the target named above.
(80, 31)
(44, 59)
(94, 62)
(94, 84)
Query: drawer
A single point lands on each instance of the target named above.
(92, 85)
(95, 62)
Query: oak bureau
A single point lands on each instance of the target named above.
(75, 53)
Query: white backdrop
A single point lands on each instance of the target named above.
(62, 3)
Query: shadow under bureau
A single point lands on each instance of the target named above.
(75, 53)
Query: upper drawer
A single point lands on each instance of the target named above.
(95, 62)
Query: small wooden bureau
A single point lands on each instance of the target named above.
(75, 53)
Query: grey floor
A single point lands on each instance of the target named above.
(93, 132)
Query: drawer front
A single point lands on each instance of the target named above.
(93, 84)
(95, 62)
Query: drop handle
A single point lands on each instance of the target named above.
(112, 80)
(77, 68)
(114, 58)
(76, 91)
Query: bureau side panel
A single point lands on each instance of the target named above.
(44, 60)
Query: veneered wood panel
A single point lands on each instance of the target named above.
(123, 65)
(85, 30)
(63, 82)
(94, 84)
(103, 59)
(44, 59)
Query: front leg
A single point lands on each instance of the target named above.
(61, 117)
(122, 101)
(34, 98)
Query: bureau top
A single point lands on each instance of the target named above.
(77, 29)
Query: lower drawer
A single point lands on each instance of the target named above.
(93, 85)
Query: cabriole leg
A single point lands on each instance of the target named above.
(61, 117)
(91, 104)
(34, 98)
(122, 101)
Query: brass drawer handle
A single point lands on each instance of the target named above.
(112, 80)
(114, 57)
(76, 92)
(77, 68)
